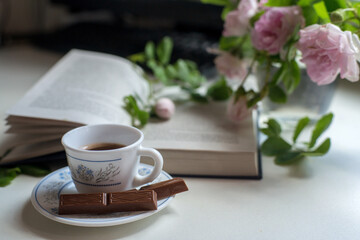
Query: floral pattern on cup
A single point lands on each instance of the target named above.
(86, 174)
(107, 174)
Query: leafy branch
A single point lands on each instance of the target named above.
(287, 153)
(183, 73)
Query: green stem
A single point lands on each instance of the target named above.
(248, 73)
(354, 24)
(268, 67)
(357, 17)
(237, 51)
(151, 91)
(265, 88)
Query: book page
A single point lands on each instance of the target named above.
(38, 129)
(34, 149)
(84, 87)
(201, 127)
(25, 121)
(15, 140)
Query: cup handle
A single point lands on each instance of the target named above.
(158, 165)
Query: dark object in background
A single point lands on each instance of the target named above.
(192, 25)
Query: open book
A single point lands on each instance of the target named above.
(88, 88)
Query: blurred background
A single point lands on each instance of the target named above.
(120, 27)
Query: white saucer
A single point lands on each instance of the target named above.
(45, 199)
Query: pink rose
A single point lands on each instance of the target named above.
(164, 108)
(231, 66)
(274, 28)
(328, 51)
(237, 21)
(238, 111)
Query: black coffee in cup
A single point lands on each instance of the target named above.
(102, 146)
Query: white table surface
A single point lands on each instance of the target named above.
(319, 199)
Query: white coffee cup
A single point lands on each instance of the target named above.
(108, 170)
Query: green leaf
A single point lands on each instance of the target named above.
(321, 150)
(150, 50)
(171, 71)
(195, 79)
(288, 158)
(164, 50)
(302, 123)
(304, 3)
(292, 77)
(219, 91)
(274, 146)
(4, 181)
(158, 71)
(356, 6)
(130, 105)
(7, 175)
(227, 43)
(310, 15)
(139, 117)
(137, 57)
(34, 170)
(215, 2)
(279, 75)
(291, 52)
(320, 127)
(322, 12)
(274, 126)
(256, 17)
(12, 172)
(279, 3)
(152, 64)
(332, 5)
(182, 69)
(277, 94)
(143, 117)
(266, 131)
(197, 97)
(183, 73)
(191, 65)
(296, 74)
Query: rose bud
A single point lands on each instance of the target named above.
(238, 111)
(164, 108)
